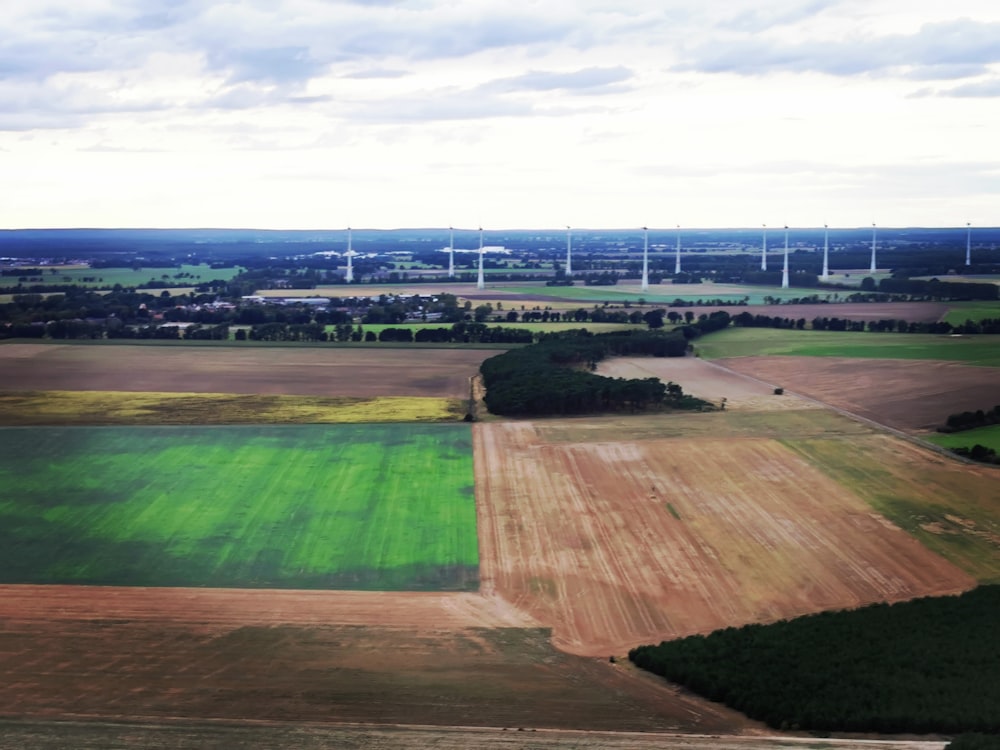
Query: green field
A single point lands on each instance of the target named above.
(662, 294)
(983, 350)
(105, 278)
(986, 436)
(959, 312)
(317, 507)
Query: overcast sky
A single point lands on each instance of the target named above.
(500, 113)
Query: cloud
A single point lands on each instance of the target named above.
(976, 90)
(281, 65)
(374, 73)
(583, 80)
(945, 49)
(757, 19)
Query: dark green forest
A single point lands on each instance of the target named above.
(926, 666)
(554, 376)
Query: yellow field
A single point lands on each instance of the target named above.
(23, 408)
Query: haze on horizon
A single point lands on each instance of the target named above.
(304, 114)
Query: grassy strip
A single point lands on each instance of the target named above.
(987, 436)
(741, 342)
(27, 408)
(357, 506)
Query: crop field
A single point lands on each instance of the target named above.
(88, 408)
(262, 370)
(982, 350)
(287, 507)
(959, 312)
(185, 275)
(911, 395)
(986, 436)
(624, 542)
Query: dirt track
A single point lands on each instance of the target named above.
(913, 395)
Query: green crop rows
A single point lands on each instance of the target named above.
(382, 507)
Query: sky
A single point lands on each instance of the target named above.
(323, 114)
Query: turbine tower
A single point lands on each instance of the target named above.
(645, 259)
(826, 251)
(873, 268)
(451, 252)
(968, 244)
(349, 276)
(763, 253)
(481, 283)
(784, 272)
(569, 252)
(677, 263)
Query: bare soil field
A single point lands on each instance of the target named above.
(705, 380)
(612, 544)
(302, 371)
(913, 395)
(330, 657)
(185, 735)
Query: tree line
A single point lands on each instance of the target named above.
(890, 325)
(928, 665)
(555, 376)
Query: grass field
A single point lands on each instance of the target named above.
(106, 278)
(987, 436)
(255, 507)
(743, 342)
(27, 408)
(959, 312)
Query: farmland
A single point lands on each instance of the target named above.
(648, 539)
(105, 278)
(987, 436)
(286, 507)
(736, 342)
(584, 537)
(302, 371)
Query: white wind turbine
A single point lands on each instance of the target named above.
(451, 252)
(826, 252)
(569, 252)
(677, 262)
(968, 243)
(481, 282)
(763, 252)
(784, 272)
(873, 267)
(349, 276)
(645, 259)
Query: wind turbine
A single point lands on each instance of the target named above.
(569, 251)
(968, 244)
(763, 253)
(451, 252)
(645, 259)
(677, 263)
(826, 252)
(349, 276)
(873, 268)
(784, 272)
(481, 283)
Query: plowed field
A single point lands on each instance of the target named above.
(906, 394)
(615, 544)
(304, 371)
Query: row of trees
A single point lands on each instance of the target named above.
(554, 376)
(969, 420)
(923, 666)
(890, 325)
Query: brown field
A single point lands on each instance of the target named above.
(612, 544)
(330, 657)
(301, 371)
(705, 380)
(913, 395)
